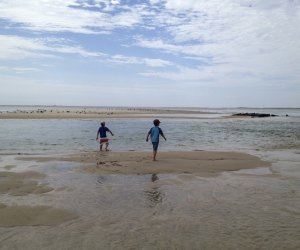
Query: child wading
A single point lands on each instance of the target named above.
(103, 138)
(155, 132)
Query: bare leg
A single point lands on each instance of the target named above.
(106, 148)
(101, 145)
(154, 155)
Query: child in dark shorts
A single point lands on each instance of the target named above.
(154, 132)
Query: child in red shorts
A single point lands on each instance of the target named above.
(103, 138)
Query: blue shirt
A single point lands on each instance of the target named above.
(155, 132)
(102, 131)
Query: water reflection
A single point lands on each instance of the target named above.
(154, 177)
(154, 196)
(100, 179)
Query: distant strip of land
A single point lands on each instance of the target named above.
(101, 113)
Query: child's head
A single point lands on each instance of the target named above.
(156, 122)
(102, 124)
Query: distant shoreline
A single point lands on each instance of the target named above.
(101, 113)
(82, 112)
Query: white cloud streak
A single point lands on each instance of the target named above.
(16, 47)
(18, 70)
(137, 60)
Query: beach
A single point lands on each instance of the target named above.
(219, 185)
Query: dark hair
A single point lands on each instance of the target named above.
(102, 124)
(156, 122)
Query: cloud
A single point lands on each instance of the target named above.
(235, 39)
(137, 60)
(18, 70)
(198, 42)
(70, 15)
(16, 47)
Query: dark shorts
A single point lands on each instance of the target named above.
(155, 146)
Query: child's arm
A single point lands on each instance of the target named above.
(97, 135)
(148, 135)
(162, 134)
(111, 132)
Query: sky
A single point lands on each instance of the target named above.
(151, 53)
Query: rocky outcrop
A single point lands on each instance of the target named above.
(254, 114)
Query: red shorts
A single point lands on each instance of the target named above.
(103, 140)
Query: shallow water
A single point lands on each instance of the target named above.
(249, 209)
(53, 136)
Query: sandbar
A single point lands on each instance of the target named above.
(202, 163)
(101, 113)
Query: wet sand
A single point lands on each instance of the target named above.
(124, 200)
(12, 216)
(22, 184)
(202, 163)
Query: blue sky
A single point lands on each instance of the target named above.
(218, 53)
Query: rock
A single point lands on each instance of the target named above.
(254, 114)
